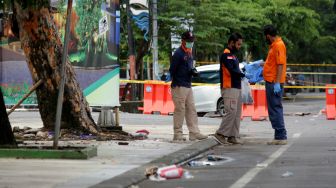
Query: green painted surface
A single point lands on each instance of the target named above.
(65, 153)
(101, 81)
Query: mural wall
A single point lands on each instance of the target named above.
(93, 51)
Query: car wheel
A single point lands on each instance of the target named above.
(220, 107)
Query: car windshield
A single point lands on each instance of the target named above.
(209, 77)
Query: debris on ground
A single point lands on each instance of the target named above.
(141, 134)
(302, 113)
(123, 143)
(262, 165)
(167, 172)
(287, 174)
(210, 160)
(43, 134)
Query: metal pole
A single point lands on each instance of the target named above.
(63, 76)
(117, 118)
(155, 42)
(131, 49)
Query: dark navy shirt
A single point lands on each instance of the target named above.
(180, 69)
(230, 74)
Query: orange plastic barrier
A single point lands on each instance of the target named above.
(157, 99)
(330, 102)
(258, 110)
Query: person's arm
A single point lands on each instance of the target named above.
(173, 65)
(280, 61)
(279, 73)
(229, 64)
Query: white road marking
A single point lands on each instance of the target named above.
(248, 176)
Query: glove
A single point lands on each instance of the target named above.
(277, 88)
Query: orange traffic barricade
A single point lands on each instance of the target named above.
(258, 110)
(330, 102)
(157, 98)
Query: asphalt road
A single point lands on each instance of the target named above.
(309, 159)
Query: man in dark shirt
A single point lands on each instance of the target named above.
(181, 71)
(230, 77)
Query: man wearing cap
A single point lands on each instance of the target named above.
(181, 71)
(230, 78)
(275, 75)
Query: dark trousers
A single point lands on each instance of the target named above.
(275, 112)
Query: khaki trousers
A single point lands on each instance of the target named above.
(183, 99)
(232, 107)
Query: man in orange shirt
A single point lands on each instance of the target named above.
(275, 75)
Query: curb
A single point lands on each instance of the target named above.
(137, 175)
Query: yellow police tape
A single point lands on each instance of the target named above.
(313, 73)
(289, 64)
(312, 65)
(258, 86)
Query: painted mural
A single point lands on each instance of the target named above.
(93, 51)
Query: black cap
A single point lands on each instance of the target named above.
(188, 36)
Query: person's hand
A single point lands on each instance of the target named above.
(277, 88)
(194, 72)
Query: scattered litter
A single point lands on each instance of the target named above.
(166, 172)
(170, 172)
(141, 134)
(210, 160)
(150, 171)
(262, 165)
(200, 163)
(87, 136)
(287, 174)
(123, 143)
(187, 175)
(302, 113)
(156, 178)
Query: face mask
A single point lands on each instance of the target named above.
(189, 45)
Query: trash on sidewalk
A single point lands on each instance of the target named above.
(187, 175)
(287, 174)
(166, 172)
(123, 143)
(210, 160)
(170, 172)
(302, 113)
(141, 134)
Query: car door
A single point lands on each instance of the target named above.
(206, 96)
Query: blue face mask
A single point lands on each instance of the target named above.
(189, 45)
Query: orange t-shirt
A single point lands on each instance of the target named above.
(276, 56)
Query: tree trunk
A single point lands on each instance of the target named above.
(43, 48)
(6, 134)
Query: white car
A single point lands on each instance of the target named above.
(208, 98)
